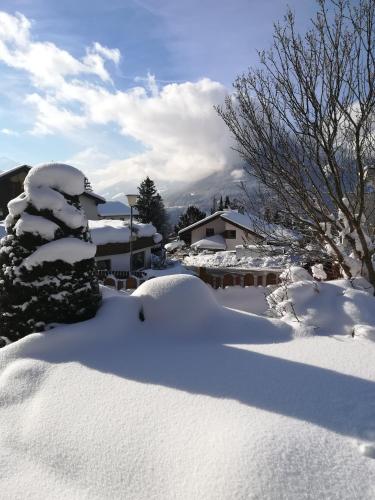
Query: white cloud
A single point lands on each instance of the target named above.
(8, 131)
(183, 137)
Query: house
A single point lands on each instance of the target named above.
(115, 210)
(223, 230)
(112, 238)
(11, 186)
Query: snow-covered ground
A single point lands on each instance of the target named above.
(196, 401)
(230, 259)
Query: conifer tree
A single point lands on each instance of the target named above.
(221, 205)
(47, 266)
(150, 206)
(192, 215)
(227, 202)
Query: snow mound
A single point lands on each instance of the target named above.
(69, 250)
(35, 224)
(296, 273)
(176, 300)
(332, 307)
(64, 178)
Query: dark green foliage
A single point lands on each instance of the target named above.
(151, 207)
(221, 205)
(227, 202)
(53, 292)
(192, 215)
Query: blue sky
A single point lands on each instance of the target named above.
(144, 108)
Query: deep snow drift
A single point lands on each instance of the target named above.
(200, 402)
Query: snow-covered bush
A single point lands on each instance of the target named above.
(47, 267)
(331, 307)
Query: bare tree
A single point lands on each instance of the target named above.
(304, 123)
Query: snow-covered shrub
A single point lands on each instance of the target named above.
(47, 267)
(318, 272)
(176, 303)
(330, 307)
(295, 273)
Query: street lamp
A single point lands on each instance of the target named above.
(132, 201)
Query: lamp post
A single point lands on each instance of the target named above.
(132, 201)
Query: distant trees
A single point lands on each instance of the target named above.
(150, 206)
(192, 215)
(304, 123)
(47, 265)
(222, 205)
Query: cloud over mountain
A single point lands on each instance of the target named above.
(180, 136)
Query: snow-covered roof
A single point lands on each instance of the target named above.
(27, 168)
(117, 231)
(14, 170)
(100, 199)
(115, 209)
(216, 242)
(244, 221)
(247, 223)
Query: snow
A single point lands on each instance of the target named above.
(115, 209)
(116, 231)
(69, 250)
(158, 238)
(18, 204)
(58, 176)
(109, 231)
(186, 296)
(216, 242)
(318, 272)
(115, 407)
(45, 197)
(37, 225)
(327, 308)
(248, 222)
(174, 245)
(230, 259)
(250, 299)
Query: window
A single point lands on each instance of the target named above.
(138, 261)
(104, 265)
(210, 231)
(230, 234)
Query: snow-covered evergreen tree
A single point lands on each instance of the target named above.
(47, 266)
(150, 206)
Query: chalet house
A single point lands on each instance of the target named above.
(112, 238)
(11, 185)
(223, 230)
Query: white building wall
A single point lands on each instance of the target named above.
(241, 237)
(89, 206)
(199, 233)
(219, 226)
(121, 262)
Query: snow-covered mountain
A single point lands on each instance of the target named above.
(202, 192)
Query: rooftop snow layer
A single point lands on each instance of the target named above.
(248, 223)
(228, 406)
(117, 231)
(216, 242)
(115, 209)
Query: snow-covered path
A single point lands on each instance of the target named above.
(221, 406)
